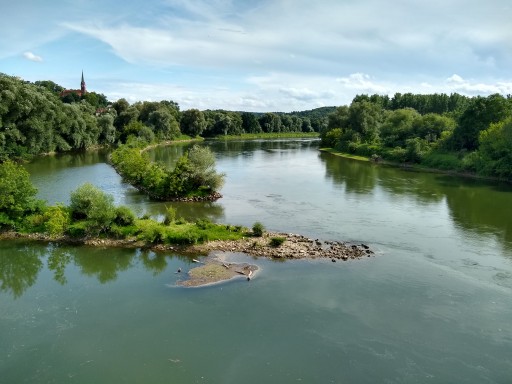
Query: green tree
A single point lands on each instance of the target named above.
(250, 123)
(93, 205)
(496, 149)
(202, 168)
(270, 122)
(365, 118)
(480, 113)
(164, 124)
(17, 194)
(398, 127)
(193, 122)
(106, 128)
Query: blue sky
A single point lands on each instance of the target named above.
(260, 55)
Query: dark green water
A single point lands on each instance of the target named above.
(433, 306)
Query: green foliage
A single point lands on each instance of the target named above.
(193, 175)
(17, 194)
(258, 229)
(94, 206)
(202, 169)
(56, 220)
(496, 149)
(480, 112)
(277, 241)
(124, 216)
(442, 160)
(193, 122)
(170, 215)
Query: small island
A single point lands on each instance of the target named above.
(93, 219)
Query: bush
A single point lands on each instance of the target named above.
(17, 194)
(170, 215)
(203, 223)
(56, 220)
(92, 204)
(258, 229)
(277, 241)
(78, 229)
(124, 216)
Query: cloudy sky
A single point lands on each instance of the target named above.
(260, 55)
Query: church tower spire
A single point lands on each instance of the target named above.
(82, 84)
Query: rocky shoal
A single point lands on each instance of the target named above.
(294, 247)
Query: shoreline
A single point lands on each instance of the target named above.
(215, 268)
(413, 167)
(294, 246)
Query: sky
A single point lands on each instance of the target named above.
(260, 55)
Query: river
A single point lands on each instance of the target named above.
(434, 305)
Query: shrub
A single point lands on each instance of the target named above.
(124, 216)
(170, 215)
(56, 220)
(92, 204)
(257, 229)
(277, 241)
(203, 223)
(150, 231)
(78, 229)
(17, 194)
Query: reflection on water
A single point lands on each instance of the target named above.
(474, 205)
(22, 261)
(19, 267)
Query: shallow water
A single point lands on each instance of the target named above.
(434, 304)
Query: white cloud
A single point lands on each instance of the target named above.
(30, 56)
(456, 83)
(362, 82)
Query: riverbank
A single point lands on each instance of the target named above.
(211, 270)
(269, 136)
(293, 246)
(412, 167)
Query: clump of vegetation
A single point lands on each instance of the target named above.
(17, 195)
(277, 241)
(92, 213)
(449, 132)
(258, 229)
(193, 176)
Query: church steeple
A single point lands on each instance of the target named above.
(82, 85)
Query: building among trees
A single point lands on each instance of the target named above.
(79, 92)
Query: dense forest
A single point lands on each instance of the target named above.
(35, 119)
(451, 132)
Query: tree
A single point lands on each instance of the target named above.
(107, 129)
(496, 149)
(398, 127)
(338, 118)
(202, 168)
(93, 205)
(193, 122)
(164, 124)
(250, 123)
(365, 118)
(480, 112)
(270, 122)
(17, 194)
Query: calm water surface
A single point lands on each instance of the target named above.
(433, 306)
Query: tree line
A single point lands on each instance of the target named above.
(453, 132)
(35, 119)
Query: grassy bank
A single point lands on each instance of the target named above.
(412, 166)
(272, 135)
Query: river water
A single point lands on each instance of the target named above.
(434, 305)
